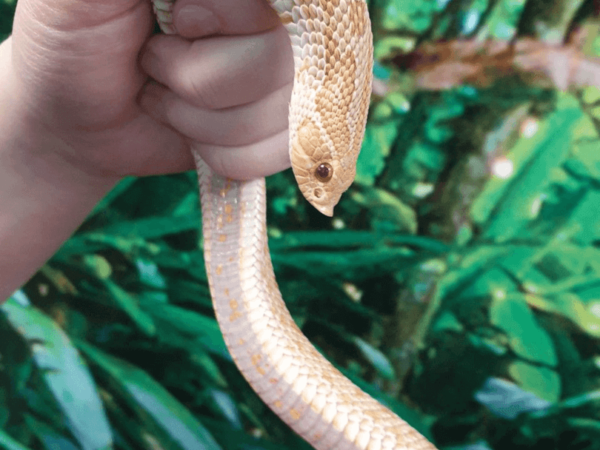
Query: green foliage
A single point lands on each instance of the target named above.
(461, 274)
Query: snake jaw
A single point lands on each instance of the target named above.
(315, 193)
(324, 210)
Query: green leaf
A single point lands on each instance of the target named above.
(570, 306)
(585, 218)
(581, 400)
(130, 305)
(541, 381)
(507, 400)
(205, 330)
(503, 21)
(8, 443)
(118, 190)
(50, 439)
(340, 239)
(525, 336)
(375, 148)
(507, 206)
(388, 46)
(154, 227)
(494, 282)
(378, 359)
(142, 392)
(359, 264)
(65, 374)
(447, 322)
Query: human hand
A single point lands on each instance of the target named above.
(72, 124)
(75, 70)
(227, 92)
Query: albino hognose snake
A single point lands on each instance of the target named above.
(332, 45)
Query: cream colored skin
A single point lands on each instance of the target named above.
(333, 57)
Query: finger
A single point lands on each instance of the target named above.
(198, 18)
(245, 142)
(237, 126)
(246, 162)
(221, 72)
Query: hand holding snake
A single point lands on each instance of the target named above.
(332, 46)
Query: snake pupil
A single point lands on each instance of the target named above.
(324, 172)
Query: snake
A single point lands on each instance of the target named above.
(333, 58)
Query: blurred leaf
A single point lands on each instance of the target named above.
(507, 400)
(525, 337)
(203, 329)
(515, 202)
(352, 238)
(359, 264)
(154, 227)
(542, 382)
(8, 443)
(65, 373)
(447, 322)
(379, 361)
(146, 394)
(47, 435)
(227, 407)
(571, 307)
(131, 307)
(581, 400)
(503, 21)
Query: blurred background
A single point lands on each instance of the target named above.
(458, 283)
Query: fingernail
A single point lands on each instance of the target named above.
(194, 21)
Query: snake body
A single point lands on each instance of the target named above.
(332, 45)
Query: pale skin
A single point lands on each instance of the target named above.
(80, 110)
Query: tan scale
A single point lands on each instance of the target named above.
(333, 53)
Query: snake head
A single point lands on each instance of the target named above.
(322, 173)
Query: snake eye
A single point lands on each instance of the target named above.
(324, 172)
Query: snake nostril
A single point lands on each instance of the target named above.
(318, 193)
